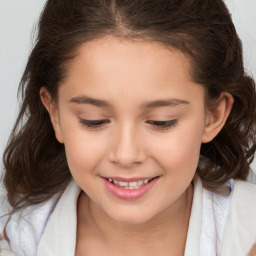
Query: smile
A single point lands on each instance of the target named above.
(128, 189)
(131, 184)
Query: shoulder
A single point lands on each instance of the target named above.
(25, 227)
(5, 207)
(243, 198)
(240, 227)
(243, 206)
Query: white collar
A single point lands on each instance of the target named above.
(59, 237)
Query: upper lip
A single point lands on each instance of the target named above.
(130, 179)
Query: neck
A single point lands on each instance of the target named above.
(168, 227)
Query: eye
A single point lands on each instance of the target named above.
(94, 124)
(163, 125)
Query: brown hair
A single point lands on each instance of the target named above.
(35, 162)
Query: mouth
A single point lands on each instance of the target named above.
(130, 189)
(134, 183)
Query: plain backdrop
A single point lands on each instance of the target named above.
(17, 24)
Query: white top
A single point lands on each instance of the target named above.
(217, 226)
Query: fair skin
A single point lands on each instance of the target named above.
(143, 85)
(252, 251)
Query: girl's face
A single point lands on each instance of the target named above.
(130, 112)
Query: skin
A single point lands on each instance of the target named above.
(252, 251)
(128, 75)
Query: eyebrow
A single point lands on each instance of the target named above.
(150, 104)
(165, 103)
(90, 101)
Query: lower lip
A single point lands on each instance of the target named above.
(129, 194)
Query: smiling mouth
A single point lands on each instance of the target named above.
(130, 184)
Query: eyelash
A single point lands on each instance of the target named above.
(94, 124)
(159, 125)
(164, 125)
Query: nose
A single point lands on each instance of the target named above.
(127, 149)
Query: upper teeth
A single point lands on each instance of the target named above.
(131, 184)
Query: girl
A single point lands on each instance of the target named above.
(135, 134)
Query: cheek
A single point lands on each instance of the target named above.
(83, 150)
(180, 151)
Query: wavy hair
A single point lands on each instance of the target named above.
(35, 162)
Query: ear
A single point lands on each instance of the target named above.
(217, 116)
(52, 109)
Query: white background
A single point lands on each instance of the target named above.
(18, 19)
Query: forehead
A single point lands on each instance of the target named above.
(110, 66)
(109, 52)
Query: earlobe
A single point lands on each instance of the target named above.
(216, 117)
(52, 109)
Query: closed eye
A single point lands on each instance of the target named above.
(163, 125)
(94, 124)
(160, 125)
